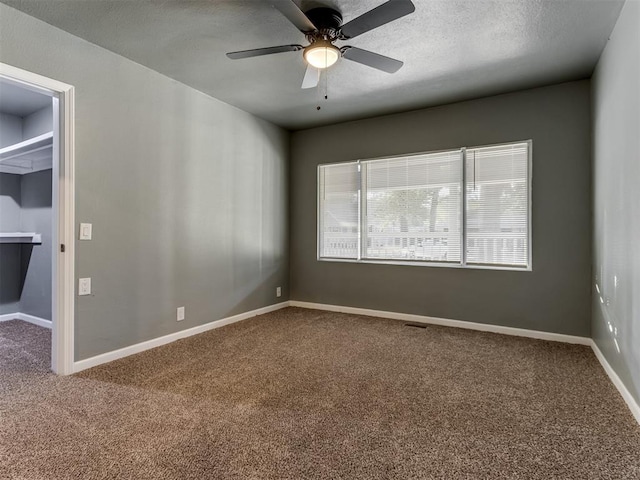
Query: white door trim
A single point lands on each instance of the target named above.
(63, 274)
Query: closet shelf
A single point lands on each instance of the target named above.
(20, 237)
(29, 156)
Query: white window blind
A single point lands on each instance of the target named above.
(497, 207)
(413, 206)
(339, 198)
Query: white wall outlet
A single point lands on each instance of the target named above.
(278, 291)
(85, 231)
(84, 286)
(180, 314)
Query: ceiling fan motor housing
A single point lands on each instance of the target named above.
(325, 18)
(321, 53)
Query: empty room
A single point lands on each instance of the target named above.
(314, 239)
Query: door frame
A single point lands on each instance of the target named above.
(63, 193)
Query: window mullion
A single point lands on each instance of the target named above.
(362, 211)
(320, 213)
(529, 201)
(463, 196)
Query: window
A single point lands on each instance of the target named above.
(339, 210)
(497, 205)
(412, 207)
(465, 207)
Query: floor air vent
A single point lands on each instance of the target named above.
(415, 325)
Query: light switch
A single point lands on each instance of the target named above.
(85, 231)
(84, 286)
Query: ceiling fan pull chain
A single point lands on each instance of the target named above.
(326, 73)
(318, 91)
(326, 82)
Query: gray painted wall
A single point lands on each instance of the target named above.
(25, 205)
(554, 297)
(187, 195)
(9, 254)
(25, 270)
(10, 129)
(35, 272)
(10, 133)
(36, 216)
(37, 123)
(9, 202)
(616, 228)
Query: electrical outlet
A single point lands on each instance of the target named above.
(278, 291)
(180, 314)
(84, 286)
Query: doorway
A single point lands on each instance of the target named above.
(37, 217)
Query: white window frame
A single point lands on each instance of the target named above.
(463, 230)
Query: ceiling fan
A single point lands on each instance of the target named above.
(323, 27)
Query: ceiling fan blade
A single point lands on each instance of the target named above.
(257, 52)
(311, 77)
(294, 15)
(385, 13)
(370, 59)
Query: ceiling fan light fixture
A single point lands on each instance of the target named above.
(321, 54)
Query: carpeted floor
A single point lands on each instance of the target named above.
(25, 358)
(308, 394)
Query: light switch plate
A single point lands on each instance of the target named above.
(85, 231)
(84, 286)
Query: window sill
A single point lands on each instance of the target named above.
(428, 264)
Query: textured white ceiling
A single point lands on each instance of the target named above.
(452, 49)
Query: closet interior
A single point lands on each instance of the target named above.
(26, 215)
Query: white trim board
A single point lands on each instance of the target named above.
(5, 317)
(172, 337)
(615, 379)
(445, 322)
(41, 322)
(25, 317)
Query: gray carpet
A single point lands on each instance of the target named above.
(307, 394)
(25, 356)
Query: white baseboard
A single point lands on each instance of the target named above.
(445, 322)
(615, 379)
(9, 316)
(172, 337)
(41, 322)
